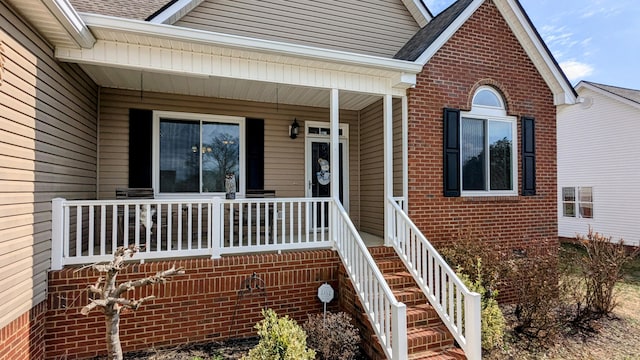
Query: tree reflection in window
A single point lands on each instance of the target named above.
(191, 149)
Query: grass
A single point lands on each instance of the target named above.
(614, 337)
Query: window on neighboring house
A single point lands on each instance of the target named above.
(487, 151)
(577, 202)
(193, 152)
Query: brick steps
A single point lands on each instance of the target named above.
(427, 336)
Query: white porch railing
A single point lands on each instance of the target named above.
(388, 316)
(458, 307)
(88, 231)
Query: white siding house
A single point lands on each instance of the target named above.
(599, 163)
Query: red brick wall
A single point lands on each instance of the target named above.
(202, 305)
(482, 52)
(23, 338)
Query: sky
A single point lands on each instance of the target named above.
(592, 40)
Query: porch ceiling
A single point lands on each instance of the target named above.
(225, 88)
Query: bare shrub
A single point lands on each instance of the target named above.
(536, 287)
(602, 267)
(333, 338)
(467, 247)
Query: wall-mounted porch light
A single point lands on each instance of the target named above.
(294, 128)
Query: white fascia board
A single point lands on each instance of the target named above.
(584, 85)
(566, 96)
(176, 11)
(71, 21)
(419, 11)
(245, 43)
(448, 33)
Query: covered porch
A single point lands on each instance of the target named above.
(167, 93)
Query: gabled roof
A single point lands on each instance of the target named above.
(432, 37)
(427, 35)
(625, 95)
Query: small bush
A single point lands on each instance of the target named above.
(467, 247)
(602, 267)
(492, 323)
(280, 339)
(333, 338)
(536, 287)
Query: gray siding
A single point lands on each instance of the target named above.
(284, 157)
(375, 27)
(47, 150)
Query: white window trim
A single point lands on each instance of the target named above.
(157, 115)
(576, 203)
(481, 114)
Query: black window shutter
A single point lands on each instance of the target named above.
(254, 136)
(140, 134)
(528, 156)
(451, 130)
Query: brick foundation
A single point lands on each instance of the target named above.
(202, 305)
(23, 338)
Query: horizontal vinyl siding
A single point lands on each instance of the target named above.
(372, 164)
(284, 157)
(598, 147)
(47, 149)
(376, 27)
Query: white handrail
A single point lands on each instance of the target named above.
(387, 315)
(458, 307)
(88, 231)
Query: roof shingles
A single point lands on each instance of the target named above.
(629, 94)
(428, 34)
(130, 9)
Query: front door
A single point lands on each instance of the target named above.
(319, 164)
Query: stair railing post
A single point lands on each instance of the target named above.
(399, 331)
(473, 332)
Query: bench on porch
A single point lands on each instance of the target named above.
(252, 217)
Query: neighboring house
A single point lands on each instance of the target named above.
(449, 121)
(596, 183)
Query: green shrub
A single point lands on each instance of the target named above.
(280, 339)
(493, 323)
(333, 338)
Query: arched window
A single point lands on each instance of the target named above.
(488, 146)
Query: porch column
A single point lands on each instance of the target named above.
(405, 154)
(388, 166)
(335, 144)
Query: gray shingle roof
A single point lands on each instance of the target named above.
(629, 94)
(428, 34)
(130, 9)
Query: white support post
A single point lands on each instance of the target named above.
(334, 107)
(472, 326)
(399, 346)
(388, 165)
(57, 233)
(216, 221)
(405, 154)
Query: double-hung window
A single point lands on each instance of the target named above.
(192, 153)
(488, 147)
